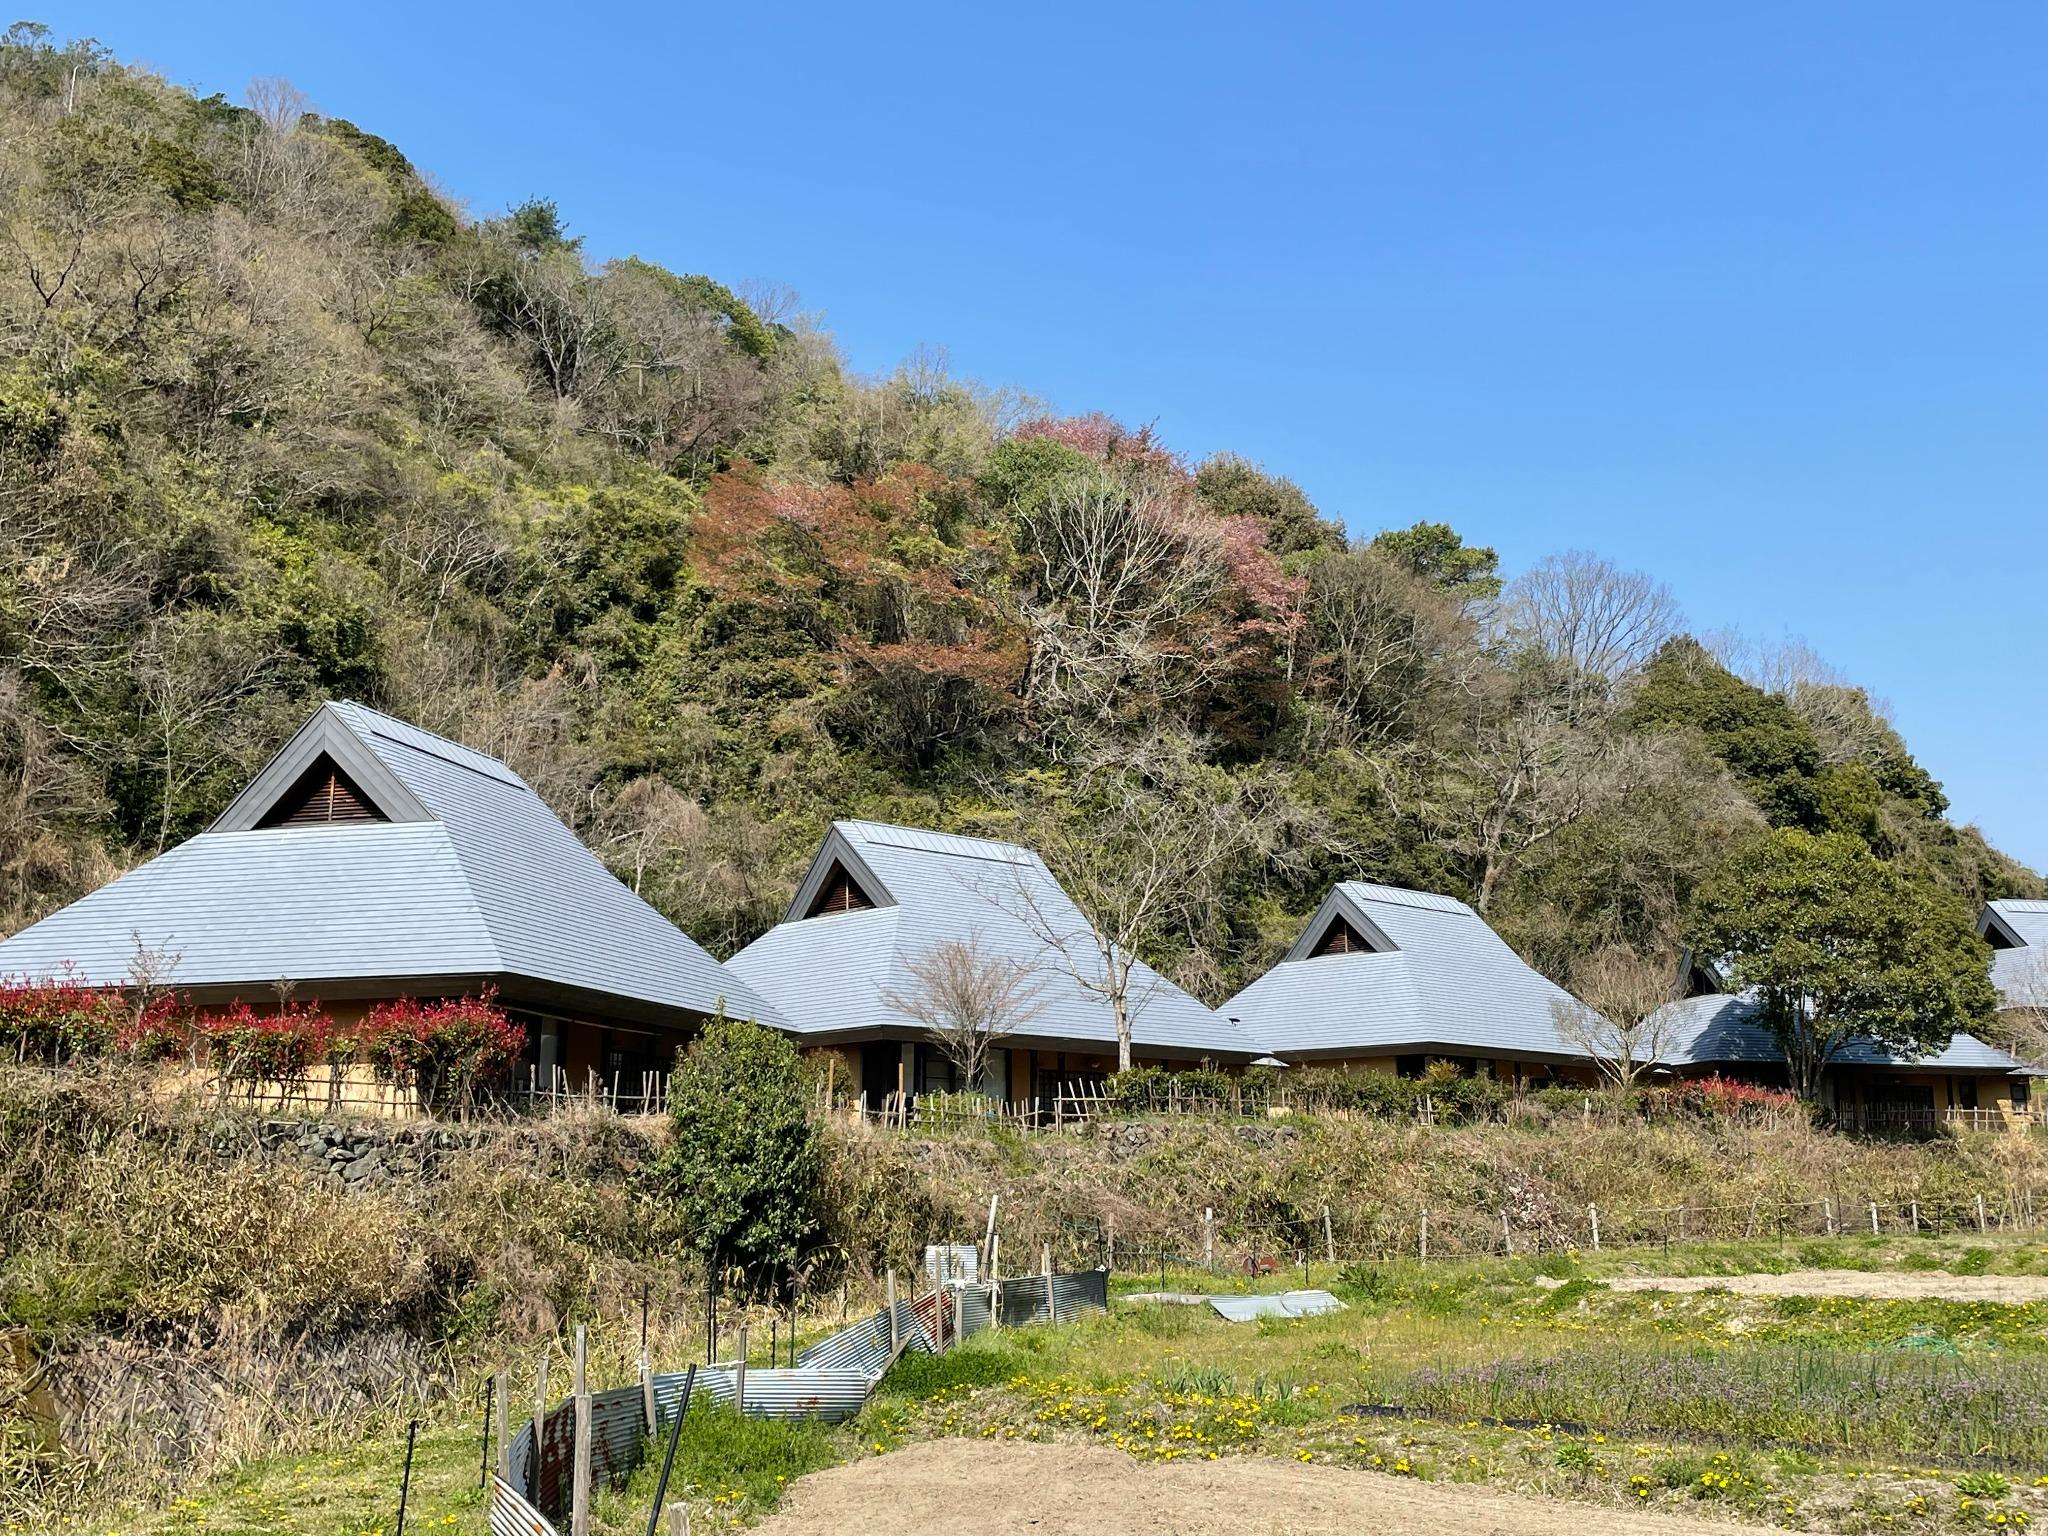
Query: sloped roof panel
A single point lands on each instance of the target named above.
(2021, 975)
(299, 903)
(554, 912)
(1727, 1028)
(1449, 982)
(839, 969)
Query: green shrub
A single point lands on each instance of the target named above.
(744, 1162)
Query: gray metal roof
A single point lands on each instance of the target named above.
(2020, 972)
(1438, 978)
(1724, 1028)
(830, 975)
(491, 884)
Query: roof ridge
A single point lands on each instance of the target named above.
(1411, 896)
(360, 718)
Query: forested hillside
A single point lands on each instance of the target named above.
(278, 422)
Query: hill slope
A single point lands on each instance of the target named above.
(277, 423)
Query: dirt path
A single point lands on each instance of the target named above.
(943, 1487)
(1917, 1285)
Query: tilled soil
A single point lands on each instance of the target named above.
(944, 1487)
(1916, 1285)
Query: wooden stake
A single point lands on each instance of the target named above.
(1593, 1221)
(1873, 1219)
(1209, 1237)
(1828, 1210)
(1425, 1234)
(502, 1409)
(540, 1404)
(895, 1343)
(647, 1389)
(1329, 1242)
(1052, 1305)
(739, 1381)
(1980, 1215)
(1507, 1235)
(579, 1490)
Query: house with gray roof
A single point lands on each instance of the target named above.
(371, 860)
(1388, 979)
(877, 898)
(2017, 932)
(1713, 1030)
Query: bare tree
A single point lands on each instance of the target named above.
(969, 1000)
(1618, 1015)
(1122, 580)
(1137, 844)
(1579, 610)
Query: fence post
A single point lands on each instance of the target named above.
(1827, 1208)
(1209, 1237)
(895, 1343)
(1425, 1234)
(579, 1489)
(1593, 1221)
(1873, 1220)
(1052, 1305)
(739, 1380)
(668, 1460)
(1916, 1215)
(1329, 1241)
(540, 1406)
(1980, 1215)
(412, 1431)
(1507, 1235)
(503, 1410)
(647, 1389)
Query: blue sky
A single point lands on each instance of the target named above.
(1753, 297)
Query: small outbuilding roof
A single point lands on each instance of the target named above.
(878, 897)
(447, 869)
(1381, 970)
(1726, 1028)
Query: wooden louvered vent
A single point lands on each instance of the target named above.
(1340, 938)
(322, 795)
(839, 894)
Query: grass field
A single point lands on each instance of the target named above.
(1842, 1413)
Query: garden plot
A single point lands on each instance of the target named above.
(1055, 1490)
(2011, 1290)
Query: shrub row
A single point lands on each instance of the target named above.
(1440, 1095)
(441, 1050)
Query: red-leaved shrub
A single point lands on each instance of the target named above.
(441, 1050)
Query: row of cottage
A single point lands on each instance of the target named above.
(372, 859)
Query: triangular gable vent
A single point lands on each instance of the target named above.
(839, 893)
(322, 795)
(1340, 938)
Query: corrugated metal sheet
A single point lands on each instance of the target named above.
(1024, 1298)
(1244, 1309)
(864, 1345)
(798, 1392)
(946, 1262)
(511, 1515)
(833, 973)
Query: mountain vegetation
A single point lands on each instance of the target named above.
(279, 421)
